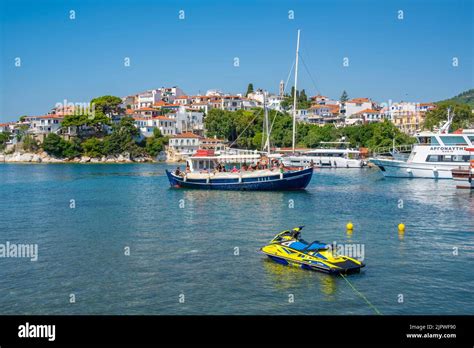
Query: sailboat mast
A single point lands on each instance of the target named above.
(296, 84)
(267, 123)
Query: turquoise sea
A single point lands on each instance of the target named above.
(183, 244)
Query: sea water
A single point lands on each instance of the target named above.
(116, 239)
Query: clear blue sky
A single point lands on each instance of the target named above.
(79, 59)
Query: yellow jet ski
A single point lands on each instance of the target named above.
(288, 248)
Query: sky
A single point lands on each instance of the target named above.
(389, 57)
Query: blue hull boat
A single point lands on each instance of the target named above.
(292, 180)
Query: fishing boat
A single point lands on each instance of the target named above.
(243, 170)
(329, 155)
(288, 248)
(434, 156)
(464, 176)
(204, 171)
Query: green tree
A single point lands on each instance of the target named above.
(123, 139)
(249, 89)
(463, 116)
(4, 138)
(344, 97)
(56, 146)
(107, 104)
(29, 143)
(93, 147)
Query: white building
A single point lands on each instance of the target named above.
(147, 125)
(44, 124)
(148, 98)
(202, 106)
(188, 120)
(365, 116)
(322, 100)
(169, 94)
(356, 105)
(184, 145)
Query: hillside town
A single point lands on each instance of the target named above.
(180, 116)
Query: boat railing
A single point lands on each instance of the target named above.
(402, 151)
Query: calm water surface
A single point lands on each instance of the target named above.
(190, 250)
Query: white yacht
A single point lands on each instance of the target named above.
(334, 157)
(434, 156)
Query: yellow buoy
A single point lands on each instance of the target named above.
(401, 227)
(350, 226)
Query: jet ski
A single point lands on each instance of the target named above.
(288, 248)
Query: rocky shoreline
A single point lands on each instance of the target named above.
(43, 157)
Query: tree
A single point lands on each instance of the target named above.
(30, 144)
(463, 116)
(344, 97)
(123, 139)
(249, 89)
(56, 146)
(4, 138)
(93, 147)
(82, 122)
(107, 104)
(156, 143)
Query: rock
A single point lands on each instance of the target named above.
(94, 160)
(85, 159)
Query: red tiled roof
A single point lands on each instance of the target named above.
(145, 109)
(368, 111)
(359, 100)
(186, 135)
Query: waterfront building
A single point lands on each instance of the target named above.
(368, 116)
(41, 125)
(356, 105)
(409, 117)
(323, 114)
(147, 125)
(183, 145)
(187, 119)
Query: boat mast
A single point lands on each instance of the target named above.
(266, 124)
(294, 97)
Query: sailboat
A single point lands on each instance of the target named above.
(243, 170)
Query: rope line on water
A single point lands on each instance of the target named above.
(361, 295)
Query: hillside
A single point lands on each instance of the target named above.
(466, 97)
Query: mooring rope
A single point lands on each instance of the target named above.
(361, 295)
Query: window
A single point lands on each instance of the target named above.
(447, 158)
(453, 140)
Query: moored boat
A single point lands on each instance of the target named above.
(288, 248)
(245, 172)
(338, 155)
(434, 156)
(464, 176)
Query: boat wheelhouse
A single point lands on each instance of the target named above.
(434, 155)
